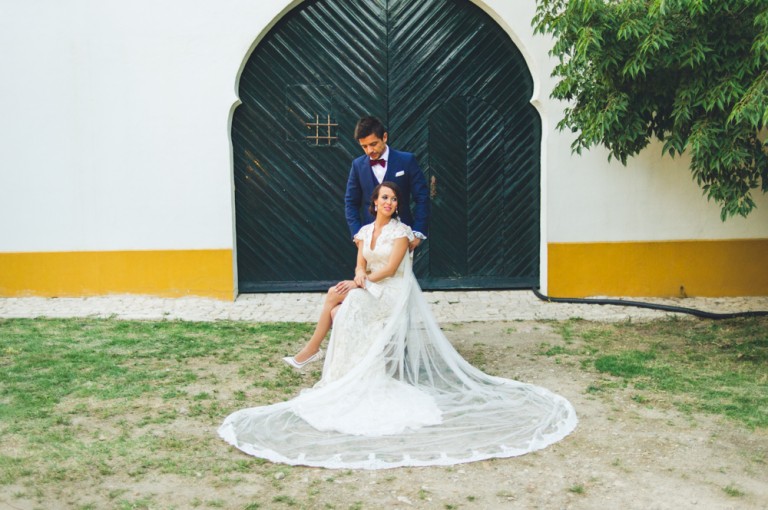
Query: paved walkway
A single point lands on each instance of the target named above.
(461, 306)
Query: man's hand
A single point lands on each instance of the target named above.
(414, 244)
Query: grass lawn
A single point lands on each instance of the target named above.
(718, 367)
(83, 401)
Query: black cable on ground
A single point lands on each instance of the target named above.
(653, 306)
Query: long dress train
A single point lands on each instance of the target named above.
(394, 392)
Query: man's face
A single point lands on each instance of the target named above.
(373, 146)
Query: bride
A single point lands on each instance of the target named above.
(394, 392)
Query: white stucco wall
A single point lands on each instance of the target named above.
(114, 133)
(115, 121)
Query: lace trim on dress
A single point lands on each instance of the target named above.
(392, 230)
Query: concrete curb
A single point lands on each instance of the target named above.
(460, 306)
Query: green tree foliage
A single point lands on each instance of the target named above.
(691, 73)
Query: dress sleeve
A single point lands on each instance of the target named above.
(360, 236)
(403, 230)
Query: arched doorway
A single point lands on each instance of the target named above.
(451, 87)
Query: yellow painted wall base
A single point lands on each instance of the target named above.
(660, 269)
(167, 273)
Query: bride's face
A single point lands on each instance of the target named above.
(386, 203)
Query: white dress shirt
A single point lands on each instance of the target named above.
(380, 171)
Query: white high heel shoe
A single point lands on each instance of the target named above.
(299, 365)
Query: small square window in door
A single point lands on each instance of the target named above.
(323, 131)
(310, 115)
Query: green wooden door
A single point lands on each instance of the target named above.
(468, 179)
(451, 87)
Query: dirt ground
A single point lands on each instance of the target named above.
(623, 455)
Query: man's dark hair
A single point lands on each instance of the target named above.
(368, 126)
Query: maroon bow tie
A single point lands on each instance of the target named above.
(382, 162)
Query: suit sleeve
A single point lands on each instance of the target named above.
(352, 201)
(420, 196)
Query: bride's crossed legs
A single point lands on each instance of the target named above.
(333, 300)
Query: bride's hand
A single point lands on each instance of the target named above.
(360, 280)
(346, 286)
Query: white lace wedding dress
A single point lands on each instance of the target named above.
(394, 392)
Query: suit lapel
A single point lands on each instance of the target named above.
(366, 175)
(393, 163)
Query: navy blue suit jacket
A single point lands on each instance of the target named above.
(403, 170)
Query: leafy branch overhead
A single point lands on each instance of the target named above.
(691, 73)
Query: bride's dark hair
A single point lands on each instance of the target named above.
(375, 195)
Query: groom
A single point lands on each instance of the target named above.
(379, 164)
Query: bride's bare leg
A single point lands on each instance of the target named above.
(332, 302)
